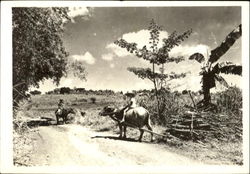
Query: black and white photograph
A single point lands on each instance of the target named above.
(125, 87)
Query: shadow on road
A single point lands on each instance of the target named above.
(36, 123)
(116, 138)
(43, 121)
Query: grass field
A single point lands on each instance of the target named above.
(226, 150)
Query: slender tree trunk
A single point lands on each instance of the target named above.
(158, 100)
(192, 99)
(156, 95)
(207, 83)
(162, 72)
(207, 96)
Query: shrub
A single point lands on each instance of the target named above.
(93, 100)
(82, 100)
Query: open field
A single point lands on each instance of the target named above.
(222, 147)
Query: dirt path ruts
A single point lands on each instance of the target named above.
(75, 145)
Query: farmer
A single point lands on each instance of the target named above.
(130, 103)
(60, 107)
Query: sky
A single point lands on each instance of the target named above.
(89, 37)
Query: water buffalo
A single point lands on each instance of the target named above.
(137, 117)
(63, 114)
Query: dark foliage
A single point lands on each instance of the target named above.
(35, 92)
(38, 51)
(65, 90)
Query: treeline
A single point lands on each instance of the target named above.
(164, 91)
(67, 90)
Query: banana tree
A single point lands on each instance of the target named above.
(211, 70)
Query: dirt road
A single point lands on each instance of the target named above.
(76, 145)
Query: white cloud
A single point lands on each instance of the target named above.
(141, 38)
(120, 52)
(190, 82)
(108, 56)
(143, 84)
(78, 11)
(192, 79)
(188, 50)
(87, 58)
(112, 65)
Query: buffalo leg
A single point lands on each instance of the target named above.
(57, 120)
(124, 131)
(120, 128)
(141, 134)
(150, 128)
(64, 119)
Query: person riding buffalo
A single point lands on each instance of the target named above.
(130, 103)
(60, 107)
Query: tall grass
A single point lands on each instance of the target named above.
(229, 100)
(170, 104)
(22, 142)
(173, 103)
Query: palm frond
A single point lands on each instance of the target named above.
(198, 57)
(221, 80)
(227, 68)
(225, 45)
(232, 69)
